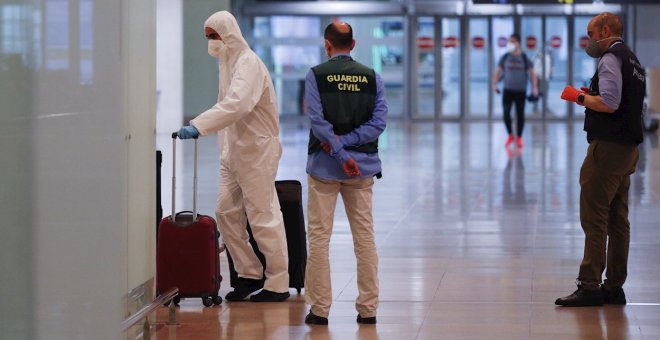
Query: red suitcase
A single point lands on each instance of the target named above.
(187, 251)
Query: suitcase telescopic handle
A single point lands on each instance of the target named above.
(174, 137)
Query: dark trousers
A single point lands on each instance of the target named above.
(604, 184)
(508, 98)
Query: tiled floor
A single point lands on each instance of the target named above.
(474, 243)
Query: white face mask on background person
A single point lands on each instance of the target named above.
(216, 48)
(510, 46)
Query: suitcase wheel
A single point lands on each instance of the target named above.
(207, 301)
(217, 300)
(174, 300)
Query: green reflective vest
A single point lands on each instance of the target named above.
(348, 96)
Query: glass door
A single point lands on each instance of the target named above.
(288, 54)
(557, 47)
(531, 35)
(478, 70)
(438, 68)
(450, 68)
(425, 51)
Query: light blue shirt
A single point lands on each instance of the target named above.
(324, 166)
(610, 80)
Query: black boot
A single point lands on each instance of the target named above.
(313, 319)
(243, 288)
(366, 321)
(268, 296)
(582, 298)
(613, 296)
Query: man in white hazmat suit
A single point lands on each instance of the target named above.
(247, 122)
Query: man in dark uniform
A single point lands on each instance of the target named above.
(613, 123)
(347, 109)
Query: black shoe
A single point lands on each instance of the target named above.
(366, 321)
(268, 296)
(243, 288)
(313, 319)
(582, 298)
(613, 296)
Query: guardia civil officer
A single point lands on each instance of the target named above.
(347, 109)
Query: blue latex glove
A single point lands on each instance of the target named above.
(188, 132)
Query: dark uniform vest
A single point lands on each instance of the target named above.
(348, 96)
(624, 126)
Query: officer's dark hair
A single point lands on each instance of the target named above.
(515, 36)
(337, 39)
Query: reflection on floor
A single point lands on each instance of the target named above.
(475, 243)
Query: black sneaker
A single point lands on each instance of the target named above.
(613, 296)
(268, 296)
(366, 321)
(582, 298)
(313, 319)
(244, 288)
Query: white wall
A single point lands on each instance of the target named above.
(139, 100)
(77, 171)
(16, 183)
(169, 83)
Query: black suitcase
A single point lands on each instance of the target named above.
(289, 194)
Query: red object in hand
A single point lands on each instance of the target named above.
(351, 168)
(571, 94)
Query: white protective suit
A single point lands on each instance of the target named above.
(247, 122)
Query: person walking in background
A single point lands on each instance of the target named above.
(347, 109)
(613, 122)
(247, 122)
(514, 68)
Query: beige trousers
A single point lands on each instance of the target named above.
(356, 194)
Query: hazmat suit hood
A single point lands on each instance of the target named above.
(225, 24)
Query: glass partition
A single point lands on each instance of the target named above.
(556, 29)
(451, 80)
(288, 54)
(426, 91)
(531, 35)
(380, 44)
(451, 67)
(478, 67)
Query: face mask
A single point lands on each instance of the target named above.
(216, 47)
(510, 46)
(593, 50)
